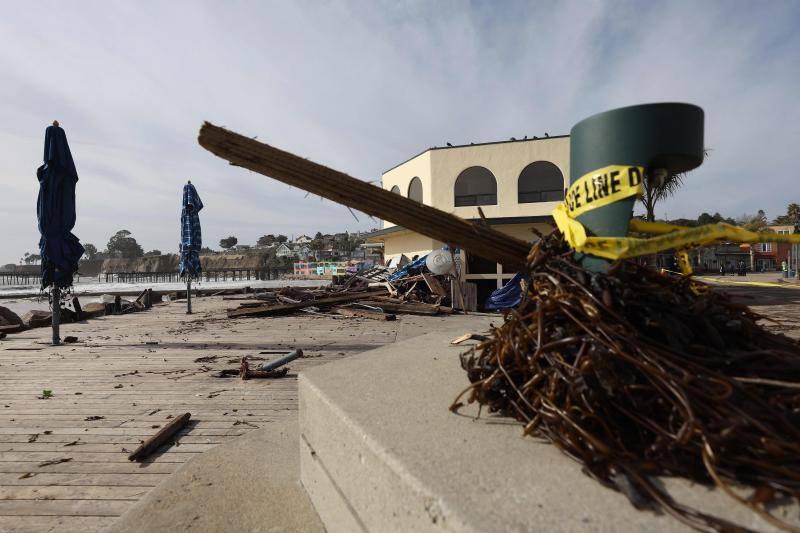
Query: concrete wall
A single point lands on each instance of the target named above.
(402, 175)
(408, 243)
(506, 161)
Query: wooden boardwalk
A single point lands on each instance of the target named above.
(63, 460)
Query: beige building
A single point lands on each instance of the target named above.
(516, 183)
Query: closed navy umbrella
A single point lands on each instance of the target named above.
(191, 240)
(55, 210)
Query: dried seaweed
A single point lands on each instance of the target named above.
(636, 374)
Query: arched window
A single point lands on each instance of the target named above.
(476, 186)
(396, 189)
(415, 190)
(540, 181)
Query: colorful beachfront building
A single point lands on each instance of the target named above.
(516, 183)
(325, 269)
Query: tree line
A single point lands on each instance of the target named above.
(123, 244)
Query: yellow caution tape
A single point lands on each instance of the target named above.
(602, 187)
(668, 237)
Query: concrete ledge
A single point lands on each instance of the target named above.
(249, 484)
(381, 452)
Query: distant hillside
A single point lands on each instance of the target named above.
(169, 263)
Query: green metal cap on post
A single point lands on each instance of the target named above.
(663, 138)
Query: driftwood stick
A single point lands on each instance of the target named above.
(154, 442)
(334, 185)
(363, 313)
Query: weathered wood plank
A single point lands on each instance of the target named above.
(56, 492)
(63, 507)
(77, 467)
(82, 479)
(59, 524)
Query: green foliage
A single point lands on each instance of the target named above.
(228, 242)
(266, 240)
(281, 238)
(791, 218)
(757, 222)
(705, 218)
(90, 250)
(121, 244)
(31, 259)
(153, 252)
(281, 262)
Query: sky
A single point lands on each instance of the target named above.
(363, 85)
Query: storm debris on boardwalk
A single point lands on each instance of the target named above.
(357, 297)
(110, 305)
(130, 376)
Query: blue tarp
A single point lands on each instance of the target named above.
(409, 269)
(55, 210)
(191, 239)
(507, 296)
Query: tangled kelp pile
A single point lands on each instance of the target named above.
(636, 374)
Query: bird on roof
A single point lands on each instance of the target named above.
(448, 144)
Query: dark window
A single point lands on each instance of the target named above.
(478, 265)
(415, 190)
(396, 189)
(485, 288)
(475, 186)
(541, 181)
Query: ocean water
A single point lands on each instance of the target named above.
(23, 298)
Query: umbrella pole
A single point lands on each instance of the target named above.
(189, 296)
(56, 315)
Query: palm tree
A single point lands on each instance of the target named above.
(657, 189)
(793, 212)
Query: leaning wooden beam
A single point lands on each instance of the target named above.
(163, 435)
(318, 179)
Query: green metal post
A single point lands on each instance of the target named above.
(662, 138)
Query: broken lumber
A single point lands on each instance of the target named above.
(264, 159)
(469, 336)
(434, 285)
(405, 308)
(12, 328)
(153, 443)
(76, 305)
(284, 309)
(363, 313)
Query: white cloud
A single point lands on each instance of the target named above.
(363, 85)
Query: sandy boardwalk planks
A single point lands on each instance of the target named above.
(125, 378)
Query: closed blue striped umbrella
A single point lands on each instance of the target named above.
(191, 239)
(55, 210)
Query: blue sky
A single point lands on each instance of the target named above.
(361, 86)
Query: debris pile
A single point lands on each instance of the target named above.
(372, 296)
(109, 305)
(635, 374)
